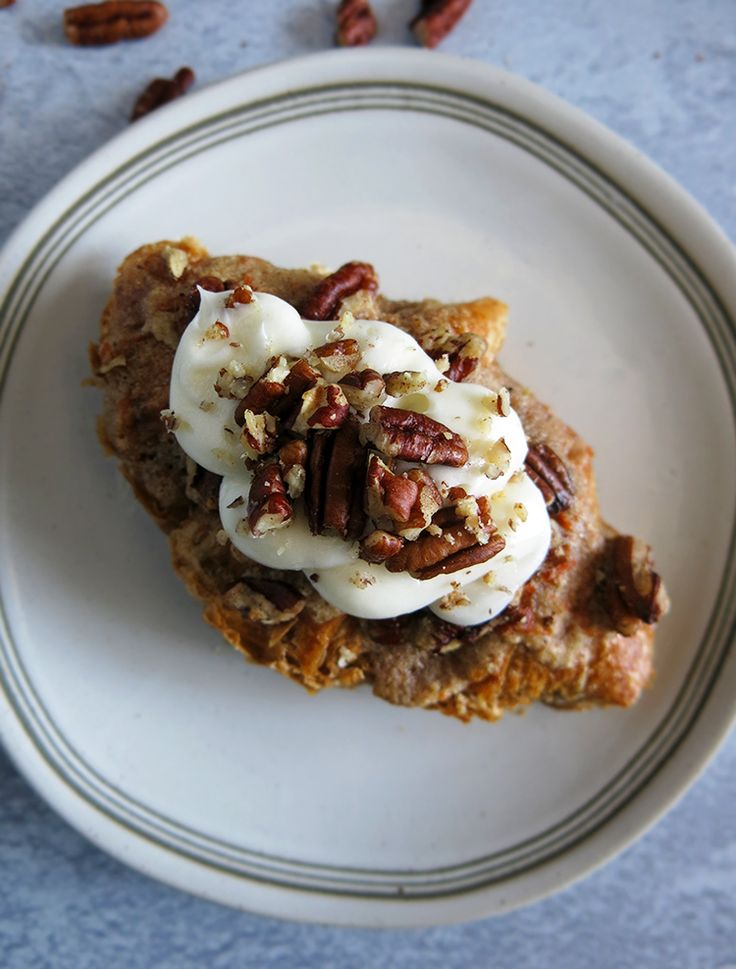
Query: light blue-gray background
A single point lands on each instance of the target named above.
(660, 72)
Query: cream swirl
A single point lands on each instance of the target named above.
(205, 427)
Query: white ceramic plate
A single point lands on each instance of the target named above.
(151, 736)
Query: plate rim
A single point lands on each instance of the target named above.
(506, 86)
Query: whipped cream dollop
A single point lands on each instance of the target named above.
(205, 427)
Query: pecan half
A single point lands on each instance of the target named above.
(113, 20)
(334, 489)
(363, 389)
(464, 354)
(380, 546)
(453, 550)
(636, 591)
(269, 507)
(550, 475)
(414, 437)
(356, 23)
(333, 289)
(293, 464)
(161, 90)
(435, 20)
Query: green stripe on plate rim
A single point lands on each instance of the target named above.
(675, 725)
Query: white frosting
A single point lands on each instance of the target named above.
(206, 430)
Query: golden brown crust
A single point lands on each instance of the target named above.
(555, 643)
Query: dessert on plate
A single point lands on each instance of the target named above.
(357, 492)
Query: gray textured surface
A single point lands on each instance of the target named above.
(660, 72)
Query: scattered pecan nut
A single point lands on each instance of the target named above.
(113, 20)
(269, 507)
(325, 301)
(293, 464)
(379, 546)
(356, 23)
(407, 501)
(363, 389)
(635, 590)
(464, 354)
(161, 90)
(454, 549)
(405, 434)
(435, 20)
(242, 293)
(324, 407)
(550, 475)
(338, 357)
(333, 495)
(259, 432)
(401, 383)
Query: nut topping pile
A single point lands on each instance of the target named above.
(315, 428)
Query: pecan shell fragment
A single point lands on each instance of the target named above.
(113, 20)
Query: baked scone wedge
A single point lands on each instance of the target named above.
(578, 633)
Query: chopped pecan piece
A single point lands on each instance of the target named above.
(161, 91)
(407, 501)
(401, 383)
(334, 489)
(338, 357)
(265, 393)
(333, 289)
(636, 591)
(464, 353)
(551, 476)
(363, 389)
(435, 20)
(414, 437)
(293, 463)
(241, 294)
(113, 20)
(356, 23)
(259, 431)
(455, 549)
(380, 546)
(269, 507)
(324, 407)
